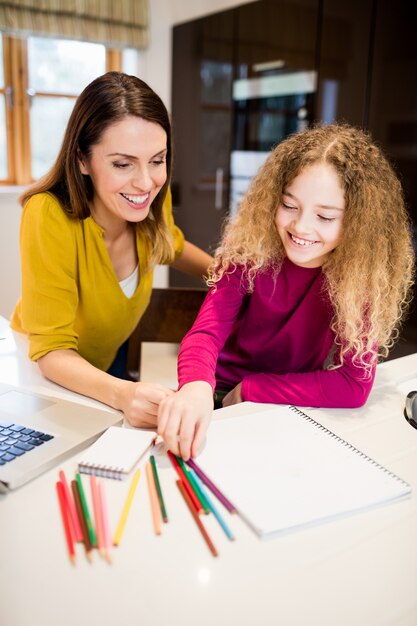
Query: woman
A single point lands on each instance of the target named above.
(93, 228)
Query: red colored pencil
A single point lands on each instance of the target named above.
(65, 521)
(196, 517)
(196, 502)
(77, 533)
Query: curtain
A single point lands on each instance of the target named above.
(116, 23)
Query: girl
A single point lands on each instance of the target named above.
(308, 286)
(92, 230)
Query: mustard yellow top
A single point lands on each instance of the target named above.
(71, 297)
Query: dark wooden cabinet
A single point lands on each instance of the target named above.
(202, 77)
(272, 31)
(364, 54)
(344, 61)
(208, 55)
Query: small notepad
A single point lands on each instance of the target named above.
(116, 452)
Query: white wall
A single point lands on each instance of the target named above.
(154, 67)
(10, 213)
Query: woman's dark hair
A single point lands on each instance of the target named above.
(105, 101)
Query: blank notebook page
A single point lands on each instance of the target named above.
(282, 470)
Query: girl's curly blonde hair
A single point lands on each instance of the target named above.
(370, 273)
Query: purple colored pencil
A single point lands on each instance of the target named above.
(206, 480)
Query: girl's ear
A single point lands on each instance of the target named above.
(81, 163)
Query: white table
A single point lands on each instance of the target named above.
(357, 571)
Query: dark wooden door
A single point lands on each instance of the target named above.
(393, 105)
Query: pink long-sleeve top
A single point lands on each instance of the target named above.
(275, 340)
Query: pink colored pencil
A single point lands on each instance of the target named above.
(105, 517)
(98, 514)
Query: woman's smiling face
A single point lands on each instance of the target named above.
(310, 216)
(127, 169)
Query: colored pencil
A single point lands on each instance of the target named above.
(98, 514)
(185, 481)
(66, 521)
(196, 517)
(212, 507)
(81, 518)
(126, 508)
(153, 497)
(105, 517)
(158, 489)
(206, 480)
(77, 533)
(90, 527)
(194, 485)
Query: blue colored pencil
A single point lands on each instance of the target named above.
(211, 506)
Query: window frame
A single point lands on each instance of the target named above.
(17, 99)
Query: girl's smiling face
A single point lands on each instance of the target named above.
(310, 216)
(127, 169)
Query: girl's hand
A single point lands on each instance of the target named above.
(234, 396)
(141, 403)
(183, 418)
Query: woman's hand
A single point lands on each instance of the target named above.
(234, 396)
(138, 401)
(183, 418)
(141, 403)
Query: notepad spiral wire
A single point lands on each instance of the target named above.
(104, 471)
(346, 444)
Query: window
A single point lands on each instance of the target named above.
(40, 79)
(4, 118)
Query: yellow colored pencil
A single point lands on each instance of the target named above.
(126, 508)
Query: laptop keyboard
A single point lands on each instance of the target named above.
(16, 440)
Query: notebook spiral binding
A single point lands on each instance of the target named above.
(346, 443)
(103, 471)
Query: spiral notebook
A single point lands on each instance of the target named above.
(284, 471)
(116, 452)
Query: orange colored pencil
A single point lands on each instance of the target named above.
(196, 502)
(65, 521)
(153, 497)
(196, 517)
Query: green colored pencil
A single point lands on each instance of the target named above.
(158, 489)
(201, 497)
(89, 523)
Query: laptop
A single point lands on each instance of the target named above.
(38, 432)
